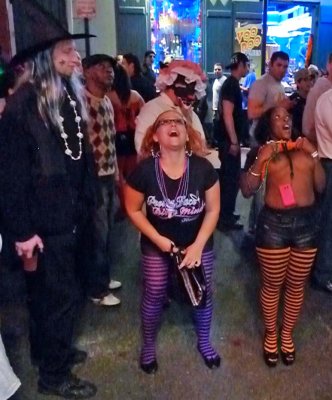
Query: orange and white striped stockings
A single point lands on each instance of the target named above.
(289, 267)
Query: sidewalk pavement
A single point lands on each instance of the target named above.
(112, 337)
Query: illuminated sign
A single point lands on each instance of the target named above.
(248, 38)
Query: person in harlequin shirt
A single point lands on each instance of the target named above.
(181, 191)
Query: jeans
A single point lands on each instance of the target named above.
(295, 227)
(98, 273)
(323, 266)
(126, 165)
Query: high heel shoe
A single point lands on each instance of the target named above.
(212, 362)
(271, 359)
(150, 368)
(288, 357)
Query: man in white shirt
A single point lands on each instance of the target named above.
(322, 274)
(217, 84)
(180, 84)
(321, 86)
(216, 87)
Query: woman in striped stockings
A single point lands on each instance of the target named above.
(181, 192)
(287, 225)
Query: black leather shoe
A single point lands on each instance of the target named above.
(324, 287)
(212, 362)
(288, 358)
(71, 388)
(150, 368)
(271, 359)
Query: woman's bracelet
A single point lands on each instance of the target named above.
(252, 190)
(314, 154)
(255, 174)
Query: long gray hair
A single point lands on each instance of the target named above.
(50, 88)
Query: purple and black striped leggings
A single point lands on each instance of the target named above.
(155, 275)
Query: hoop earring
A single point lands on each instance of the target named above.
(155, 150)
(188, 149)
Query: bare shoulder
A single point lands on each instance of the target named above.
(135, 96)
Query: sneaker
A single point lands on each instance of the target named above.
(108, 300)
(71, 388)
(114, 284)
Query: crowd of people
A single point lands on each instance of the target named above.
(76, 135)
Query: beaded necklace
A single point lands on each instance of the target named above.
(79, 133)
(172, 205)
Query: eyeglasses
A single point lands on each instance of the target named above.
(171, 121)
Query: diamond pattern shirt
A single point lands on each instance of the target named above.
(102, 133)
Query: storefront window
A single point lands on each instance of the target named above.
(176, 30)
(289, 29)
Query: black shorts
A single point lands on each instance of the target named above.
(295, 227)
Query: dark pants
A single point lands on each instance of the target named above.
(245, 137)
(53, 304)
(217, 136)
(98, 272)
(323, 266)
(229, 182)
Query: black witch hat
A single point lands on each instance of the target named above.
(41, 29)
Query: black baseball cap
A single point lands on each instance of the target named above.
(148, 53)
(95, 59)
(236, 59)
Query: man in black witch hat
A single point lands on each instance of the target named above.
(46, 189)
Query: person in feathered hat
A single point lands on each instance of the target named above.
(180, 83)
(47, 189)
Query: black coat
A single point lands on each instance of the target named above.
(36, 192)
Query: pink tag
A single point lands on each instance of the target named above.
(287, 195)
